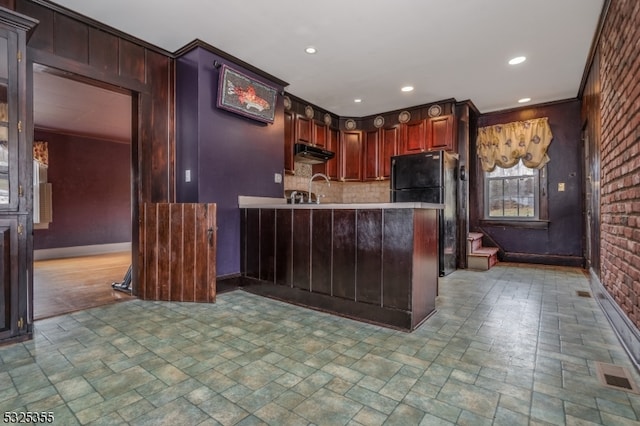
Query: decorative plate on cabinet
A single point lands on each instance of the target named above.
(327, 119)
(404, 116)
(287, 103)
(378, 121)
(308, 112)
(350, 124)
(434, 110)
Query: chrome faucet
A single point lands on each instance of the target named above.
(311, 182)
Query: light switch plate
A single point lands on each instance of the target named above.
(277, 178)
(560, 186)
(187, 175)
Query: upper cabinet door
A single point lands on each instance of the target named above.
(371, 155)
(333, 145)
(351, 156)
(303, 133)
(289, 135)
(440, 133)
(10, 124)
(330, 168)
(414, 137)
(388, 148)
(319, 137)
(12, 306)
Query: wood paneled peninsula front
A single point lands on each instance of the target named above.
(376, 262)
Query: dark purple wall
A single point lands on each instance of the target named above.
(228, 154)
(561, 243)
(91, 192)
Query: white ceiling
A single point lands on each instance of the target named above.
(65, 105)
(370, 49)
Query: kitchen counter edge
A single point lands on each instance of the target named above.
(342, 206)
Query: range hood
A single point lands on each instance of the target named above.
(311, 154)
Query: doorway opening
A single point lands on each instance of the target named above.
(82, 192)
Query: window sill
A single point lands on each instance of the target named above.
(527, 224)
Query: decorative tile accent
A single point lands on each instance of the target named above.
(404, 116)
(350, 124)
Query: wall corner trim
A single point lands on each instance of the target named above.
(625, 330)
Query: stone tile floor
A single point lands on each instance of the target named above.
(511, 346)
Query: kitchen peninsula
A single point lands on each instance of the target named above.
(376, 262)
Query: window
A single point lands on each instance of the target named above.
(513, 193)
(41, 188)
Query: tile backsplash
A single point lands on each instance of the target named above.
(338, 192)
(366, 192)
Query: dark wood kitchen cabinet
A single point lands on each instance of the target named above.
(319, 134)
(370, 155)
(310, 131)
(16, 164)
(298, 128)
(414, 137)
(379, 146)
(440, 133)
(333, 144)
(365, 155)
(351, 156)
(430, 134)
(289, 141)
(330, 168)
(388, 148)
(303, 130)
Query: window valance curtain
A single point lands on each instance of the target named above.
(41, 152)
(503, 145)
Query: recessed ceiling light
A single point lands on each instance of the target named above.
(357, 101)
(524, 100)
(310, 50)
(517, 60)
(407, 89)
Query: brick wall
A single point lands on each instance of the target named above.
(620, 155)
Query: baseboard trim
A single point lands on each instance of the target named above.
(62, 252)
(627, 332)
(228, 276)
(545, 259)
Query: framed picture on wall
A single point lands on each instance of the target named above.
(246, 96)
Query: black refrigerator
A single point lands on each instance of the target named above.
(430, 177)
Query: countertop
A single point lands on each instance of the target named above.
(281, 203)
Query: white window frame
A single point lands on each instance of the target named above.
(536, 191)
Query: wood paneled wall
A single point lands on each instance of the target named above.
(178, 245)
(90, 51)
(591, 131)
(94, 52)
(557, 241)
(380, 265)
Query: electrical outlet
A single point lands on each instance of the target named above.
(277, 178)
(187, 175)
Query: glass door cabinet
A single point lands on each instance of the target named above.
(16, 153)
